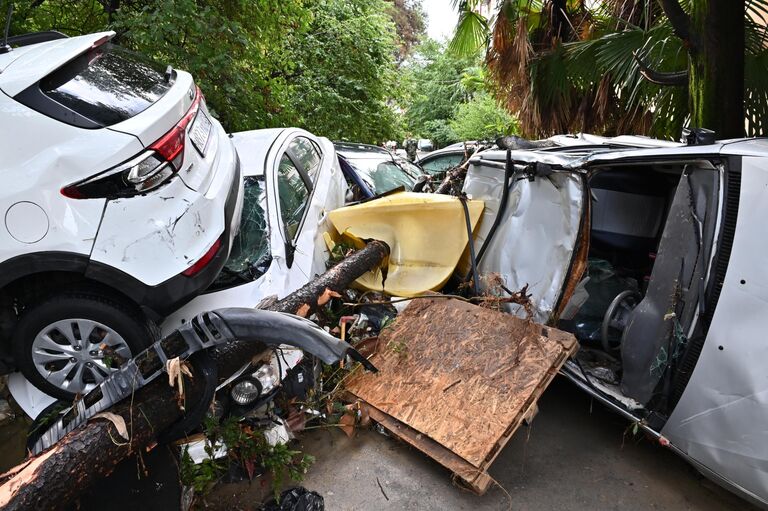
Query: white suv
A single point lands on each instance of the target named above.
(120, 199)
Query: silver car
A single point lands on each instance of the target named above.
(652, 254)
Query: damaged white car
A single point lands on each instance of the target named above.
(292, 179)
(650, 255)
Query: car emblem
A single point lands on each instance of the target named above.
(191, 93)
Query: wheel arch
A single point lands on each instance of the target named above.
(27, 278)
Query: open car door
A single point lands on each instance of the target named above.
(529, 232)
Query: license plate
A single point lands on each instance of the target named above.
(200, 131)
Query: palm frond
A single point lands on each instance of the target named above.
(471, 34)
(756, 94)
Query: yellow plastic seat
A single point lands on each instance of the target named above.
(426, 233)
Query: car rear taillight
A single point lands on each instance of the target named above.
(143, 173)
(203, 261)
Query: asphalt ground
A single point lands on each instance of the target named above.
(576, 455)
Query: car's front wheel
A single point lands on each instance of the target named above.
(70, 342)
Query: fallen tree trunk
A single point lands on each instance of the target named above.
(54, 479)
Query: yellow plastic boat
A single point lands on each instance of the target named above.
(426, 233)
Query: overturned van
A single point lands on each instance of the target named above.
(654, 258)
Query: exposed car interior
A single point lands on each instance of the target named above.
(652, 227)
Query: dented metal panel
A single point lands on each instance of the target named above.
(426, 234)
(534, 243)
(720, 420)
(260, 153)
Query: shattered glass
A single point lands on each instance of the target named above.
(250, 249)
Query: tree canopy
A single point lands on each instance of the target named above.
(325, 65)
(448, 98)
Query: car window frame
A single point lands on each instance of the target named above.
(307, 185)
(289, 243)
(296, 161)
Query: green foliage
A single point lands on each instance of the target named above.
(233, 49)
(472, 30)
(324, 65)
(200, 476)
(482, 119)
(579, 73)
(409, 19)
(439, 131)
(69, 17)
(434, 80)
(249, 448)
(449, 99)
(345, 71)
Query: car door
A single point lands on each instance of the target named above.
(307, 183)
(530, 239)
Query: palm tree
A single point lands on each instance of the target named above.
(616, 66)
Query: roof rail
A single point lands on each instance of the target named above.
(35, 37)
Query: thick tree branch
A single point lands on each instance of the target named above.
(659, 77)
(53, 479)
(681, 22)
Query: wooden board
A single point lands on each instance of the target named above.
(462, 378)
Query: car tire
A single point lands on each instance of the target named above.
(78, 339)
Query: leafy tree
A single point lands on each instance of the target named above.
(236, 51)
(408, 16)
(326, 65)
(713, 36)
(482, 119)
(439, 131)
(448, 98)
(435, 90)
(345, 71)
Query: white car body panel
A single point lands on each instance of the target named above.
(720, 420)
(140, 239)
(171, 228)
(629, 140)
(260, 152)
(163, 115)
(73, 224)
(29, 66)
(254, 148)
(31, 399)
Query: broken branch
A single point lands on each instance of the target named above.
(54, 479)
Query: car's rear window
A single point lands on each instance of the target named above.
(107, 85)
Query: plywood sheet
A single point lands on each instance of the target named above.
(462, 375)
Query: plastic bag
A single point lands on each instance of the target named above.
(296, 499)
